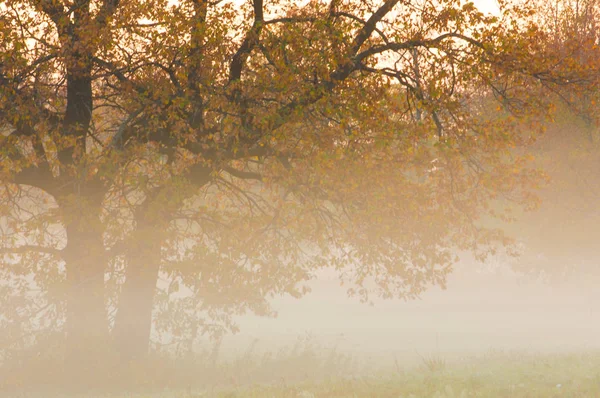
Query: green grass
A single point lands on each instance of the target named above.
(305, 374)
(508, 375)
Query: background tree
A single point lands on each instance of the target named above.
(558, 240)
(168, 165)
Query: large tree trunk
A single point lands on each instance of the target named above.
(133, 321)
(86, 323)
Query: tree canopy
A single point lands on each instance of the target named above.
(168, 164)
(557, 240)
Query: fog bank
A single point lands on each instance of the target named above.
(482, 309)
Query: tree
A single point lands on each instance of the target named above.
(558, 240)
(168, 165)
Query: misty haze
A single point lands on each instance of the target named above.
(491, 310)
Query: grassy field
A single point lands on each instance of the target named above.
(493, 375)
(497, 375)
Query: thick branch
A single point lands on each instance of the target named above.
(407, 45)
(106, 11)
(196, 118)
(371, 25)
(31, 67)
(244, 175)
(55, 11)
(79, 51)
(363, 34)
(293, 20)
(36, 176)
(250, 41)
(118, 73)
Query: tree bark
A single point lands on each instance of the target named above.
(133, 322)
(86, 322)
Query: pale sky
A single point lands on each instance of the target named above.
(487, 6)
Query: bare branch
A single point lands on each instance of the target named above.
(244, 175)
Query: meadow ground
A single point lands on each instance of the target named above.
(513, 375)
(495, 374)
